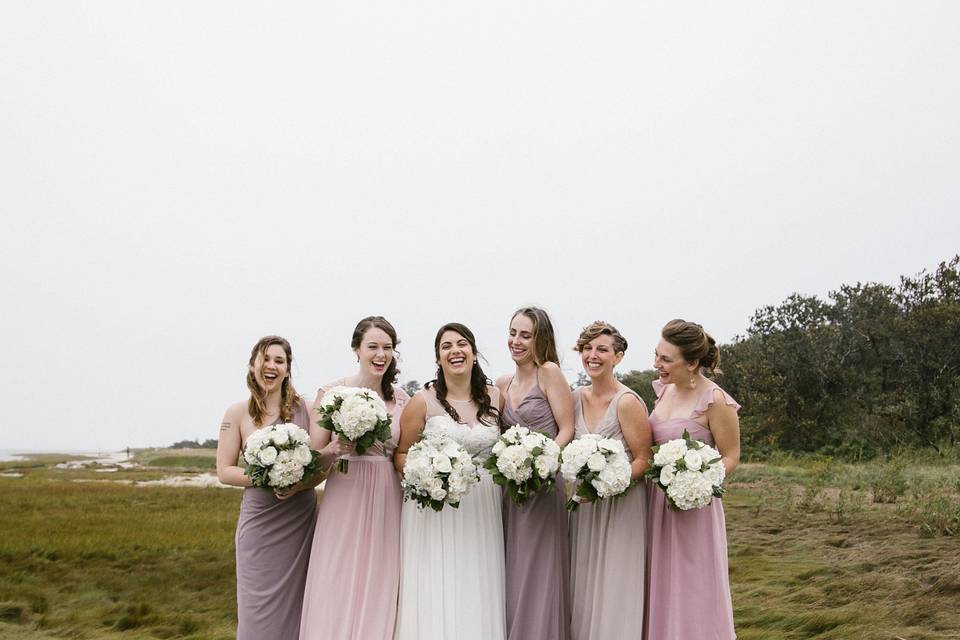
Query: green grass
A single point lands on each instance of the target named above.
(812, 555)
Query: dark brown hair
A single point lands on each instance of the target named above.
(486, 412)
(695, 344)
(288, 395)
(600, 328)
(544, 341)
(390, 375)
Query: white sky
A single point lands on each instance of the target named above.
(179, 179)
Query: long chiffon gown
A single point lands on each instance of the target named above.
(451, 561)
(536, 542)
(351, 591)
(688, 587)
(607, 551)
(273, 549)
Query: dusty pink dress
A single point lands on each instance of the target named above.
(354, 575)
(273, 549)
(688, 589)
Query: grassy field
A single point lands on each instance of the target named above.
(811, 554)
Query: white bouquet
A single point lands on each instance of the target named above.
(601, 466)
(523, 461)
(356, 414)
(279, 456)
(438, 471)
(689, 471)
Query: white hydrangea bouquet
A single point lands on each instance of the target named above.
(599, 464)
(523, 461)
(356, 414)
(438, 471)
(689, 471)
(279, 456)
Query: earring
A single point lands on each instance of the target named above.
(693, 382)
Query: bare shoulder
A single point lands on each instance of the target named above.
(631, 402)
(551, 374)
(236, 411)
(503, 380)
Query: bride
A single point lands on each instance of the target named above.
(451, 561)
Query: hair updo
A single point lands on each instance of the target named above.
(599, 328)
(695, 344)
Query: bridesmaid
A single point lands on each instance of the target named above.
(354, 574)
(535, 534)
(688, 589)
(607, 538)
(273, 533)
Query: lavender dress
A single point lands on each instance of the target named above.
(535, 538)
(607, 551)
(688, 587)
(273, 549)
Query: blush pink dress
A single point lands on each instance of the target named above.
(354, 575)
(688, 588)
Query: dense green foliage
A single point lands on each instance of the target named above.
(871, 368)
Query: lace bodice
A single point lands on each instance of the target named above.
(477, 438)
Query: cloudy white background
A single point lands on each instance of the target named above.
(179, 179)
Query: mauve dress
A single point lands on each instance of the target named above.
(273, 550)
(354, 576)
(535, 538)
(607, 551)
(688, 589)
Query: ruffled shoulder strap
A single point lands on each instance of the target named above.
(658, 388)
(400, 396)
(707, 398)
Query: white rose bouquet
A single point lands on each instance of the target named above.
(279, 456)
(438, 471)
(689, 471)
(599, 464)
(356, 414)
(523, 461)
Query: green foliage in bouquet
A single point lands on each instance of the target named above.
(519, 493)
(380, 433)
(260, 475)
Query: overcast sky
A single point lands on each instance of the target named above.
(179, 179)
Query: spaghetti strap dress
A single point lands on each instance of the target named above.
(273, 549)
(536, 542)
(688, 586)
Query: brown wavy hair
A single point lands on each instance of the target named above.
(695, 344)
(288, 395)
(599, 328)
(486, 412)
(544, 341)
(390, 375)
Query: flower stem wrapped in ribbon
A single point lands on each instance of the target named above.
(279, 456)
(599, 466)
(525, 462)
(357, 415)
(690, 472)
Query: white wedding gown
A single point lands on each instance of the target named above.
(451, 561)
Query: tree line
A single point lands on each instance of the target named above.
(871, 368)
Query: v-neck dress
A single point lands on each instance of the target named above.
(536, 542)
(688, 586)
(607, 540)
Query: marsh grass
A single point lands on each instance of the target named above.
(812, 555)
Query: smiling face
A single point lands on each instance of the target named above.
(455, 356)
(669, 363)
(520, 340)
(270, 368)
(599, 356)
(375, 352)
